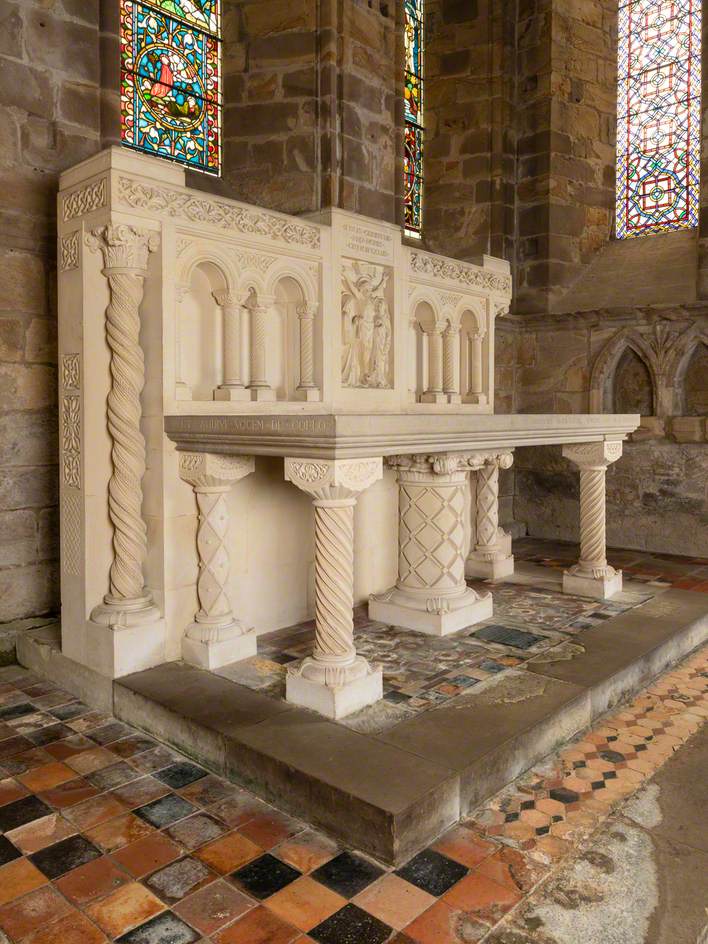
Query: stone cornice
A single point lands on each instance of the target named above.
(344, 436)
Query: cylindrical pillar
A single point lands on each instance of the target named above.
(451, 357)
(231, 386)
(259, 307)
(430, 594)
(307, 388)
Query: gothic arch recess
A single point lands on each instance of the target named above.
(602, 378)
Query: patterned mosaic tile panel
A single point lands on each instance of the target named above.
(108, 836)
(421, 671)
(655, 570)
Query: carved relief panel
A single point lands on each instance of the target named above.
(367, 325)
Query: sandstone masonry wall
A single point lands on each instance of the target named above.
(49, 120)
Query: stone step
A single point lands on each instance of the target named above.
(390, 794)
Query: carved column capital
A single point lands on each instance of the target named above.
(123, 246)
(307, 311)
(333, 479)
(206, 471)
(225, 298)
(597, 455)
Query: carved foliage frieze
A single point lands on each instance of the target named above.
(184, 205)
(70, 373)
(451, 271)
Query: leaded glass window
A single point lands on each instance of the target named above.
(413, 91)
(658, 116)
(171, 80)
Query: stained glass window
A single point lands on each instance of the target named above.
(413, 91)
(171, 80)
(658, 116)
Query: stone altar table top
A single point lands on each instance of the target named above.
(349, 435)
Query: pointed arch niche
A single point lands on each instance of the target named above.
(624, 377)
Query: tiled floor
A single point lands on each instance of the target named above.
(107, 835)
(656, 570)
(420, 671)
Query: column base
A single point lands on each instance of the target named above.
(495, 569)
(436, 616)
(454, 398)
(479, 399)
(127, 638)
(262, 394)
(233, 394)
(213, 647)
(182, 391)
(599, 588)
(335, 701)
(308, 394)
(433, 398)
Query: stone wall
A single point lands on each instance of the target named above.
(49, 120)
(312, 116)
(658, 490)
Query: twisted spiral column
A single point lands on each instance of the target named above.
(334, 485)
(334, 581)
(592, 519)
(125, 253)
(450, 358)
(306, 318)
(258, 306)
(592, 575)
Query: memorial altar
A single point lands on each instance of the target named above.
(266, 417)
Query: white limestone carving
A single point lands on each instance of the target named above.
(69, 251)
(231, 387)
(367, 331)
(491, 555)
(450, 270)
(125, 251)
(71, 534)
(259, 307)
(216, 637)
(84, 200)
(451, 357)
(70, 371)
(430, 594)
(307, 388)
(434, 392)
(198, 208)
(334, 680)
(592, 575)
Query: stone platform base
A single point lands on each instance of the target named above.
(396, 608)
(335, 702)
(600, 588)
(489, 570)
(391, 793)
(215, 655)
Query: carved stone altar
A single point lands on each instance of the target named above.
(213, 355)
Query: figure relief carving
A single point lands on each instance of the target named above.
(84, 200)
(367, 331)
(69, 251)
